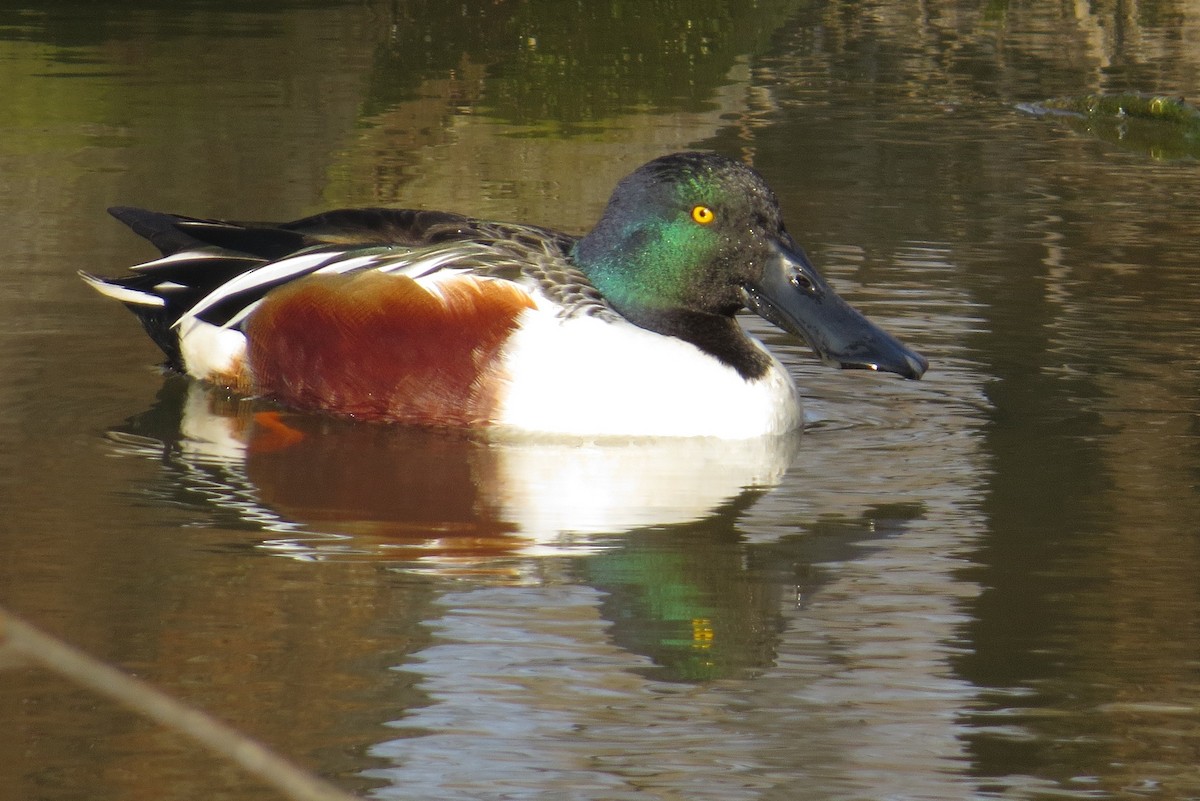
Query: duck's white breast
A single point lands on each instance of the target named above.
(591, 377)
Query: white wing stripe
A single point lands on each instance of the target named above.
(384, 259)
(188, 255)
(236, 319)
(431, 262)
(292, 267)
(348, 264)
(122, 293)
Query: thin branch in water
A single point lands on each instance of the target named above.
(21, 641)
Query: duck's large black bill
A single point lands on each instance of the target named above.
(794, 296)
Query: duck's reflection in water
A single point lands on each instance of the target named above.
(321, 487)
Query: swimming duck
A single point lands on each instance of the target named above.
(437, 319)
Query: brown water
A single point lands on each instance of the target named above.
(979, 585)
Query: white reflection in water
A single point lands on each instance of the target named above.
(546, 494)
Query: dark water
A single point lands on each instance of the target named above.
(979, 585)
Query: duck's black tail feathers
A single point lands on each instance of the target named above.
(368, 227)
(174, 233)
(161, 291)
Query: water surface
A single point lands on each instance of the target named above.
(978, 585)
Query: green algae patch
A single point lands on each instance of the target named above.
(1160, 126)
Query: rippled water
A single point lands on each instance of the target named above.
(978, 585)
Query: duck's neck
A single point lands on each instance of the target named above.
(717, 335)
(649, 297)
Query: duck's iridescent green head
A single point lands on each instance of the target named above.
(689, 239)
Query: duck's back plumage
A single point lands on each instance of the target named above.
(390, 314)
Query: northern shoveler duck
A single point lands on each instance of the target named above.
(433, 318)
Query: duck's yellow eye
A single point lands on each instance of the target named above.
(703, 214)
